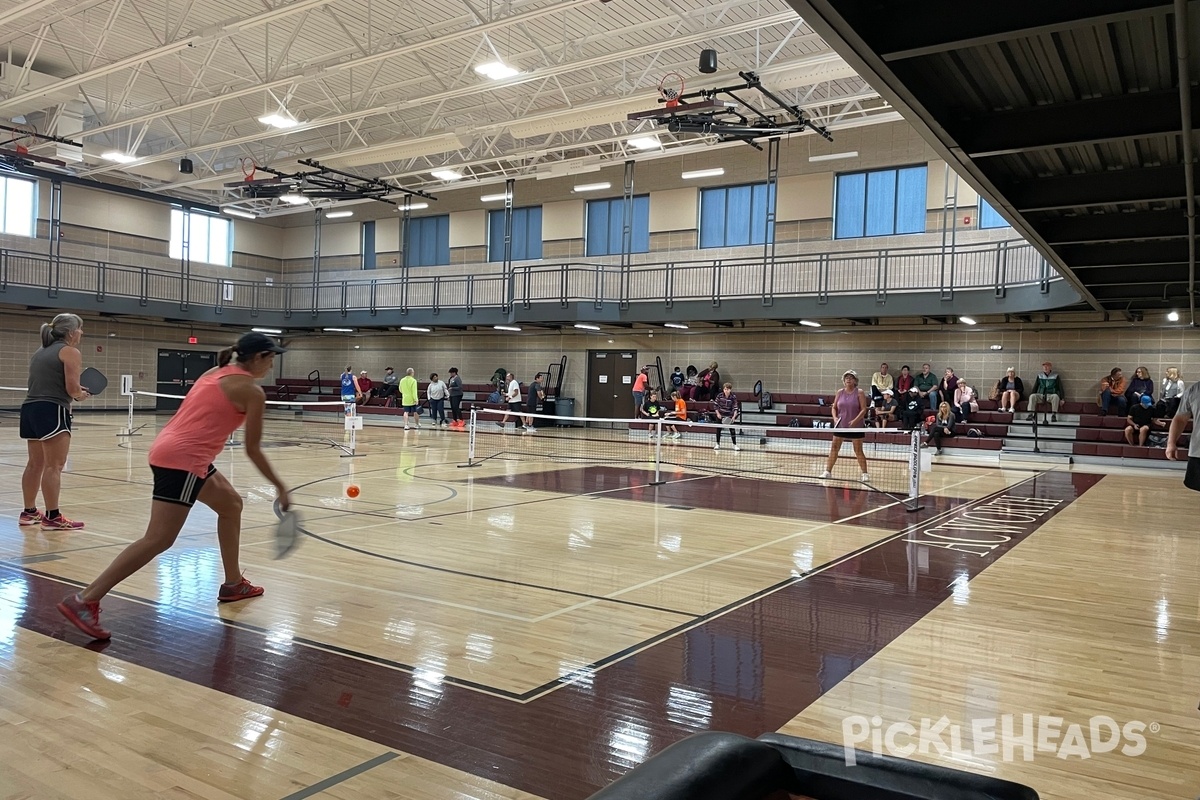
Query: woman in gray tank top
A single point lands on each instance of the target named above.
(46, 420)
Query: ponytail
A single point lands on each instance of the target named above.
(224, 357)
(57, 329)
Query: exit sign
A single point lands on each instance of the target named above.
(192, 340)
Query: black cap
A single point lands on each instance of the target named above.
(253, 343)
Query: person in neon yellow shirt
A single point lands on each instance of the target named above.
(408, 398)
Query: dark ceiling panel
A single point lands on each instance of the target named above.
(1067, 115)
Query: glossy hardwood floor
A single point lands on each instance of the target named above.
(527, 629)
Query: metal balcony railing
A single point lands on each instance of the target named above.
(994, 266)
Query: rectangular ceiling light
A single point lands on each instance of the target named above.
(591, 187)
(512, 328)
(492, 198)
(808, 323)
(834, 156)
(338, 330)
(118, 156)
(446, 175)
(278, 120)
(644, 143)
(703, 173)
(414, 329)
(338, 214)
(675, 325)
(293, 198)
(237, 212)
(414, 207)
(267, 330)
(581, 326)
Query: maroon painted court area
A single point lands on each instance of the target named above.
(748, 671)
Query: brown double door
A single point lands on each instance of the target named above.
(610, 383)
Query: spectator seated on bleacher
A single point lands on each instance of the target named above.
(1141, 385)
(885, 415)
(879, 381)
(1172, 391)
(1009, 390)
(1141, 420)
(966, 402)
(1112, 393)
(388, 390)
(1047, 388)
(912, 410)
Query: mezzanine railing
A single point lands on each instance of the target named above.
(995, 266)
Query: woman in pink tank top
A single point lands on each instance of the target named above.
(181, 458)
(849, 408)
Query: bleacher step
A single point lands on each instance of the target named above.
(1014, 456)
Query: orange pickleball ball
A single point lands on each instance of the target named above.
(352, 491)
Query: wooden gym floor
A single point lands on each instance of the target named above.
(535, 630)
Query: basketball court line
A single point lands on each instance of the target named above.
(341, 777)
(584, 670)
(757, 547)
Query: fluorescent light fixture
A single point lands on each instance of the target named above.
(703, 173)
(997, 347)
(512, 328)
(413, 329)
(644, 143)
(808, 323)
(591, 187)
(497, 70)
(338, 330)
(338, 214)
(237, 212)
(584, 327)
(414, 207)
(834, 156)
(492, 198)
(278, 120)
(293, 198)
(446, 175)
(118, 156)
(1173, 316)
(966, 320)
(675, 325)
(275, 331)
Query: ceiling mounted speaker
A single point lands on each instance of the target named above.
(708, 61)
(185, 166)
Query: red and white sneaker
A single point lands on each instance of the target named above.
(60, 523)
(84, 615)
(27, 518)
(242, 590)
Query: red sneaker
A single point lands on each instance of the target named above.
(30, 519)
(242, 590)
(84, 615)
(60, 523)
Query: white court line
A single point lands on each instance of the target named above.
(737, 554)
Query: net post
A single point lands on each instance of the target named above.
(913, 501)
(656, 432)
(129, 429)
(471, 462)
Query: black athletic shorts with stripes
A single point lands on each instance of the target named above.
(42, 420)
(178, 486)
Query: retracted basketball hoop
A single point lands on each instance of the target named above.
(249, 168)
(670, 89)
(23, 137)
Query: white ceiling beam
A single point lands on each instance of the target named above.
(465, 91)
(24, 10)
(221, 32)
(319, 72)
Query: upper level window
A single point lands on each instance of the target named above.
(428, 241)
(605, 227)
(880, 203)
(368, 244)
(526, 234)
(18, 207)
(988, 216)
(735, 215)
(209, 238)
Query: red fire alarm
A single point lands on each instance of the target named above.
(966, 220)
(193, 340)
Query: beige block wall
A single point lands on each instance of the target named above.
(115, 347)
(785, 359)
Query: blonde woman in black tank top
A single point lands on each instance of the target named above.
(54, 374)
